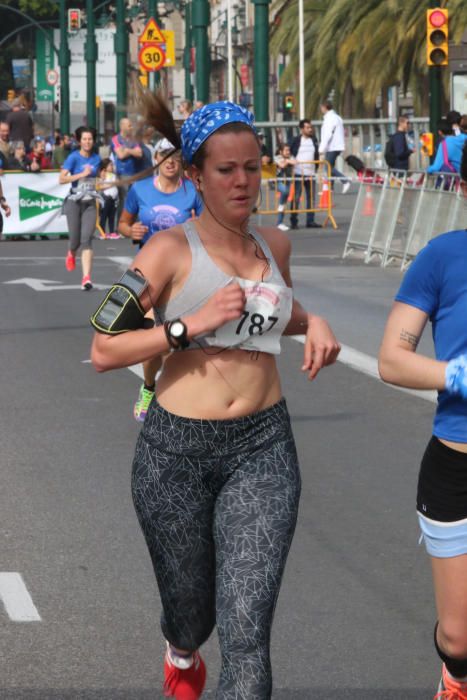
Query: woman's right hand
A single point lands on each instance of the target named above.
(138, 230)
(227, 304)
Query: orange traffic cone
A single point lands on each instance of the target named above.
(369, 204)
(324, 195)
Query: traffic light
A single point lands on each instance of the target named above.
(74, 20)
(437, 36)
(427, 142)
(10, 95)
(289, 102)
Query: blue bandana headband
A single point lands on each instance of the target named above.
(205, 121)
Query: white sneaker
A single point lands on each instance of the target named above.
(283, 227)
(345, 187)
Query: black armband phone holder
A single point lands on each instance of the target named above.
(121, 310)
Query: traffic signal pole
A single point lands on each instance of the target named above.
(64, 60)
(90, 55)
(261, 60)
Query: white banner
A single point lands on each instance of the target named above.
(35, 200)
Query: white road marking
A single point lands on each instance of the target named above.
(368, 365)
(16, 599)
(40, 285)
(136, 369)
(121, 260)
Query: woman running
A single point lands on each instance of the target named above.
(216, 481)
(80, 169)
(154, 204)
(435, 288)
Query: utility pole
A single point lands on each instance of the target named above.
(154, 77)
(187, 53)
(121, 51)
(261, 60)
(64, 61)
(90, 55)
(200, 21)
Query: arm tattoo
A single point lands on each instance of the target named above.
(409, 338)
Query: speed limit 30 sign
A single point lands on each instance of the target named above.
(151, 57)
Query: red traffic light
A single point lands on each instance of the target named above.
(437, 18)
(437, 37)
(74, 20)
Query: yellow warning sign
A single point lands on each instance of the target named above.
(151, 34)
(169, 39)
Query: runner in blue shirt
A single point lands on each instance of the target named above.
(80, 169)
(154, 204)
(435, 289)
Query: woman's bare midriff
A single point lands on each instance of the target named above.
(458, 446)
(230, 384)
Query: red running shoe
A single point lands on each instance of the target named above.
(70, 261)
(187, 683)
(450, 689)
(86, 283)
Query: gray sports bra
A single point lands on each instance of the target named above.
(267, 310)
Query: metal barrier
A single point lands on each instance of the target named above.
(270, 191)
(396, 214)
(404, 213)
(438, 206)
(363, 137)
(366, 208)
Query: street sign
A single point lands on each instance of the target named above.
(151, 57)
(169, 39)
(151, 34)
(52, 76)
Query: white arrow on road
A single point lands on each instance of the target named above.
(50, 285)
(16, 599)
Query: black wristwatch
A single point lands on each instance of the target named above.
(176, 333)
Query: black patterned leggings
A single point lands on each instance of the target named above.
(217, 502)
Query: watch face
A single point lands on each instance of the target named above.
(177, 329)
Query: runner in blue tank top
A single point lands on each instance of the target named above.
(215, 479)
(435, 289)
(81, 169)
(154, 204)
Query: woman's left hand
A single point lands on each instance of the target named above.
(321, 346)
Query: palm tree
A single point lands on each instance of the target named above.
(361, 47)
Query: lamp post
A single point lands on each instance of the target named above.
(154, 77)
(187, 53)
(261, 60)
(90, 55)
(121, 51)
(64, 60)
(200, 23)
(301, 59)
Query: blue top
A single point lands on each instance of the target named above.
(454, 144)
(436, 283)
(160, 210)
(75, 163)
(127, 166)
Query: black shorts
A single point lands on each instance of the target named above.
(442, 483)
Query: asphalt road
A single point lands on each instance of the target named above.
(355, 615)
